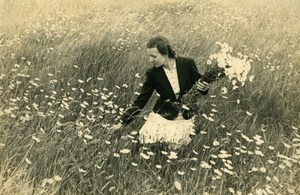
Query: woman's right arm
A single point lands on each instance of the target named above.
(140, 102)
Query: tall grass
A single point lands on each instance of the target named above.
(68, 69)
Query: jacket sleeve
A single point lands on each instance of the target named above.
(195, 75)
(140, 102)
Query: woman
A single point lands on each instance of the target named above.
(171, 76)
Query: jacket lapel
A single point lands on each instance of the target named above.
(180, 73)
(163, 79)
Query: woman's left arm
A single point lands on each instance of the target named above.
(196, 76)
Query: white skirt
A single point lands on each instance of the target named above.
(173, 132)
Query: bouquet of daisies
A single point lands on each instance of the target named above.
(219, 65)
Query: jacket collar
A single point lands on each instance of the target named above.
(164, 79)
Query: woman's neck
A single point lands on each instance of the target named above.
(170, 63)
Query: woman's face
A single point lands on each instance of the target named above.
(156, 58)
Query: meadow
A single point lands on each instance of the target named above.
(68, 69)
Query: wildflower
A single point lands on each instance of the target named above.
(223, 90)
(254, 169)
(158, 166)
(260, 191)
(57, 178)
(214, 110)
(248, 113)
(246, 138)
(28, 161)
(258, 139)
(36, 139)
(125, 151)
(216, 143)
(49, 181)
(287, 145)
(150, 153)
(218, 172)
(178, 185)
(103, 97)
(173, 155)
(205, 165)
(133, 132)
(281, 166)
(81, 170)
(228, 166)
(271, 161)
(210, 119)
(263, 169)
(145, 156)
(227, 171)
(180, 173)
(224, 155)
(137, 75)
(88, 136)
(116, 155)
(134, 164)
(61, 116)
(185, 107)
(231, 190)
(235, 87)
(275, 178)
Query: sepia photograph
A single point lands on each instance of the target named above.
(162, 97)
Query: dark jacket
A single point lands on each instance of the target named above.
(156, 79)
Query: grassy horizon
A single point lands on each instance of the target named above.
(68, 70)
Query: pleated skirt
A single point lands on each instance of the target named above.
(175, 133)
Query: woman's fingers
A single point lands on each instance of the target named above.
(202, 85)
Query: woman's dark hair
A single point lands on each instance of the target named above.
(163, 46)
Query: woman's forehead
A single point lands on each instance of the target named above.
(153, 51)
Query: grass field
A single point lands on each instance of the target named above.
(68, 69)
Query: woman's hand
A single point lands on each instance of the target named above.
(202, 85)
